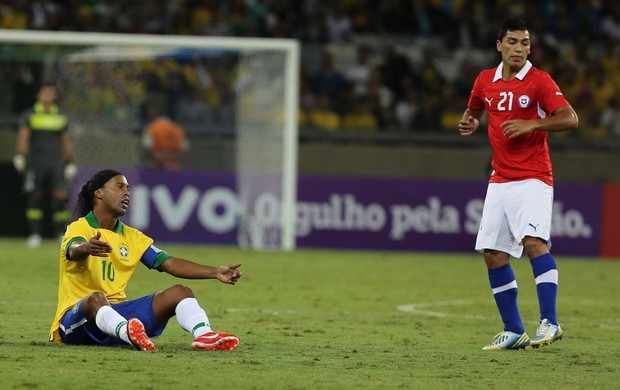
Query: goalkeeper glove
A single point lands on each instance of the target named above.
(19, 162)
(70, 171)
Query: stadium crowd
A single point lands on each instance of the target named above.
(381, 88)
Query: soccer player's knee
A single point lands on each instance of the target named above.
(93, 302)
(96, 299)
(534, 246)
(495, 259)
(182, 291)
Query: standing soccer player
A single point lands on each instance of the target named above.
(44, 155)
(98, 256)
(523, 105)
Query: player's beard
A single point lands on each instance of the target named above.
(516, 68)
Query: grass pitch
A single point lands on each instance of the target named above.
(314, 319)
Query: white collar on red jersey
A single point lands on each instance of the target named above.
(520, 75)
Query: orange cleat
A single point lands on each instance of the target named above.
(214, 341)
(137, 335)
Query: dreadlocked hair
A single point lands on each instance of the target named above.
(86, 198)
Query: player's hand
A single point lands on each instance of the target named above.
(99, 248)
(467, 126)
(515, 127)
(19, 162)
(229, 274)
(70, 171)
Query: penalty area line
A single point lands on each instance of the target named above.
(263, 311)
(421, 308)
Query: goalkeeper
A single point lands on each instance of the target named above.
(44, 158)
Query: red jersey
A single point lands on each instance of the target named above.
(532, 94)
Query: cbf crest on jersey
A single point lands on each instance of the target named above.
(124, 251)
(524, 101)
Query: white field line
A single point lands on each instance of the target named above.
(421, 309)
(263, 311)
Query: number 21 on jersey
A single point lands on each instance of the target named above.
(506, 102)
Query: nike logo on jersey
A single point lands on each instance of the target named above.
(489, 100)
(533, 227)
(558, 94)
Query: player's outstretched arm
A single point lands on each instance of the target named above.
(186, 269)
(79, 250)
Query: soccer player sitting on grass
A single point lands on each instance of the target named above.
(99, 254)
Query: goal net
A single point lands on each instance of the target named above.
(234, 94)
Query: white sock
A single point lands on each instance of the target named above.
(112, 323)
(192, 317)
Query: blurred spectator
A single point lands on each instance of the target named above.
(192, 111)
(559, 22)
(328, 80)
(45, 14)
(314, 30)
(358, 73)
(465, 31)
(610, 60)
(25, 86)
(164, 141)
(283, 19)
(362, 16)
(15, 16)
(427, 119)
(258, 10)
(380, 98)
(465, 78)
(451, 114)
(586, 18)
(323, 116)
(610, 25)
(432, 78)
(307, 98)
(239, 21)
(591, 127)
(394, 17)
(610, 118)
(361, 118)
(120, 111)
(406, 110)
(338, 24)
(343, 102)
(394, 68)
(429, 18)
(377, 89)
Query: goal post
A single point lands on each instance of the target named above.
(264, 80)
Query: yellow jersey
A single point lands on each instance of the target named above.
(109, 275)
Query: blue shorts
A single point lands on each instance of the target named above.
(73, 329)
